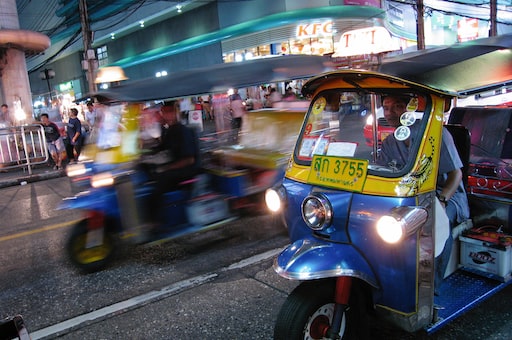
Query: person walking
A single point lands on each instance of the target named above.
(93, 119)
(237, 109)
(5, 117)
(54, 141)
(74, 134)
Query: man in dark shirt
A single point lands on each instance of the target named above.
(54, 141)
(74, 132)
(181, 144)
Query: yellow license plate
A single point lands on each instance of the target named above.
(338, 172)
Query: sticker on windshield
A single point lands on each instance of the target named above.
(413, 105)
(319, 105)
(312, 145)
(341, 149)
(407, 118)
(402, 133)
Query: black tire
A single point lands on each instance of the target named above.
(93, 259)
(310, 306)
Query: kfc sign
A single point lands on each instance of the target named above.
(317, 29)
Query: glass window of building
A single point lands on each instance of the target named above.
(102, 55)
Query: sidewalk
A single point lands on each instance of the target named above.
(21, 176)
(41, 172)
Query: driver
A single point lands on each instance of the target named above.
(182, 147)
(393, 152)
(450, 188)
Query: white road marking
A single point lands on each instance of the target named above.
(137, 301)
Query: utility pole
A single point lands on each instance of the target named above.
(89, 63)
(493, 30)
(420, 24)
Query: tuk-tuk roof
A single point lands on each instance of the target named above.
(217, 78)
(462, 69)
(362, 79)
(456, 70)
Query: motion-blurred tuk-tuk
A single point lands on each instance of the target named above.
(234, 177)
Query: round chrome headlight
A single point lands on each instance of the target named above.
(317, 212)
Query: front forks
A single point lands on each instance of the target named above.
(341, 298)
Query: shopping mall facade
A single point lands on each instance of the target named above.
(355, 32)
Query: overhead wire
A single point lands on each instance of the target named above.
(446, 12)
(77, 35)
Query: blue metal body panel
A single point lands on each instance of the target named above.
(313, 258)
(351, 245)
(103, 199)
(106, 201)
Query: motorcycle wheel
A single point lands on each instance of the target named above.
(309, 310)
(93, 259)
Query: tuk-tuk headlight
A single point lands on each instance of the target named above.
(73, 170)
(102, 180)
(317, 212)
(275, 198)
(369, 120)
(400, 223)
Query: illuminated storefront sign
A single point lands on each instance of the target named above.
(314, 30)
(63, 87)
(370, 40)
(467, 29)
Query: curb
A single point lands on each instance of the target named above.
(23, 180)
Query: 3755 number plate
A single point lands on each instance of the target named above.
(338, 172)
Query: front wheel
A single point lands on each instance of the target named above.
(309, 309)
(90, 259)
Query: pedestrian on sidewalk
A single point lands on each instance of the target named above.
(54, 141)
(93, 118)
(237, 109)
(74, 132)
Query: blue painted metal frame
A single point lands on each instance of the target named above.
(460, 292)
(351, 246)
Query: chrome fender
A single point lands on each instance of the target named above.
(311, 258)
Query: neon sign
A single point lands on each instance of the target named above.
(317, 29)
(370, 40)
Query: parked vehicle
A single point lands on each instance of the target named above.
(364, 233)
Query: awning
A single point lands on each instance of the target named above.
(461, 69)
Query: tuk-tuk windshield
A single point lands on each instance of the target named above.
(358, 125)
